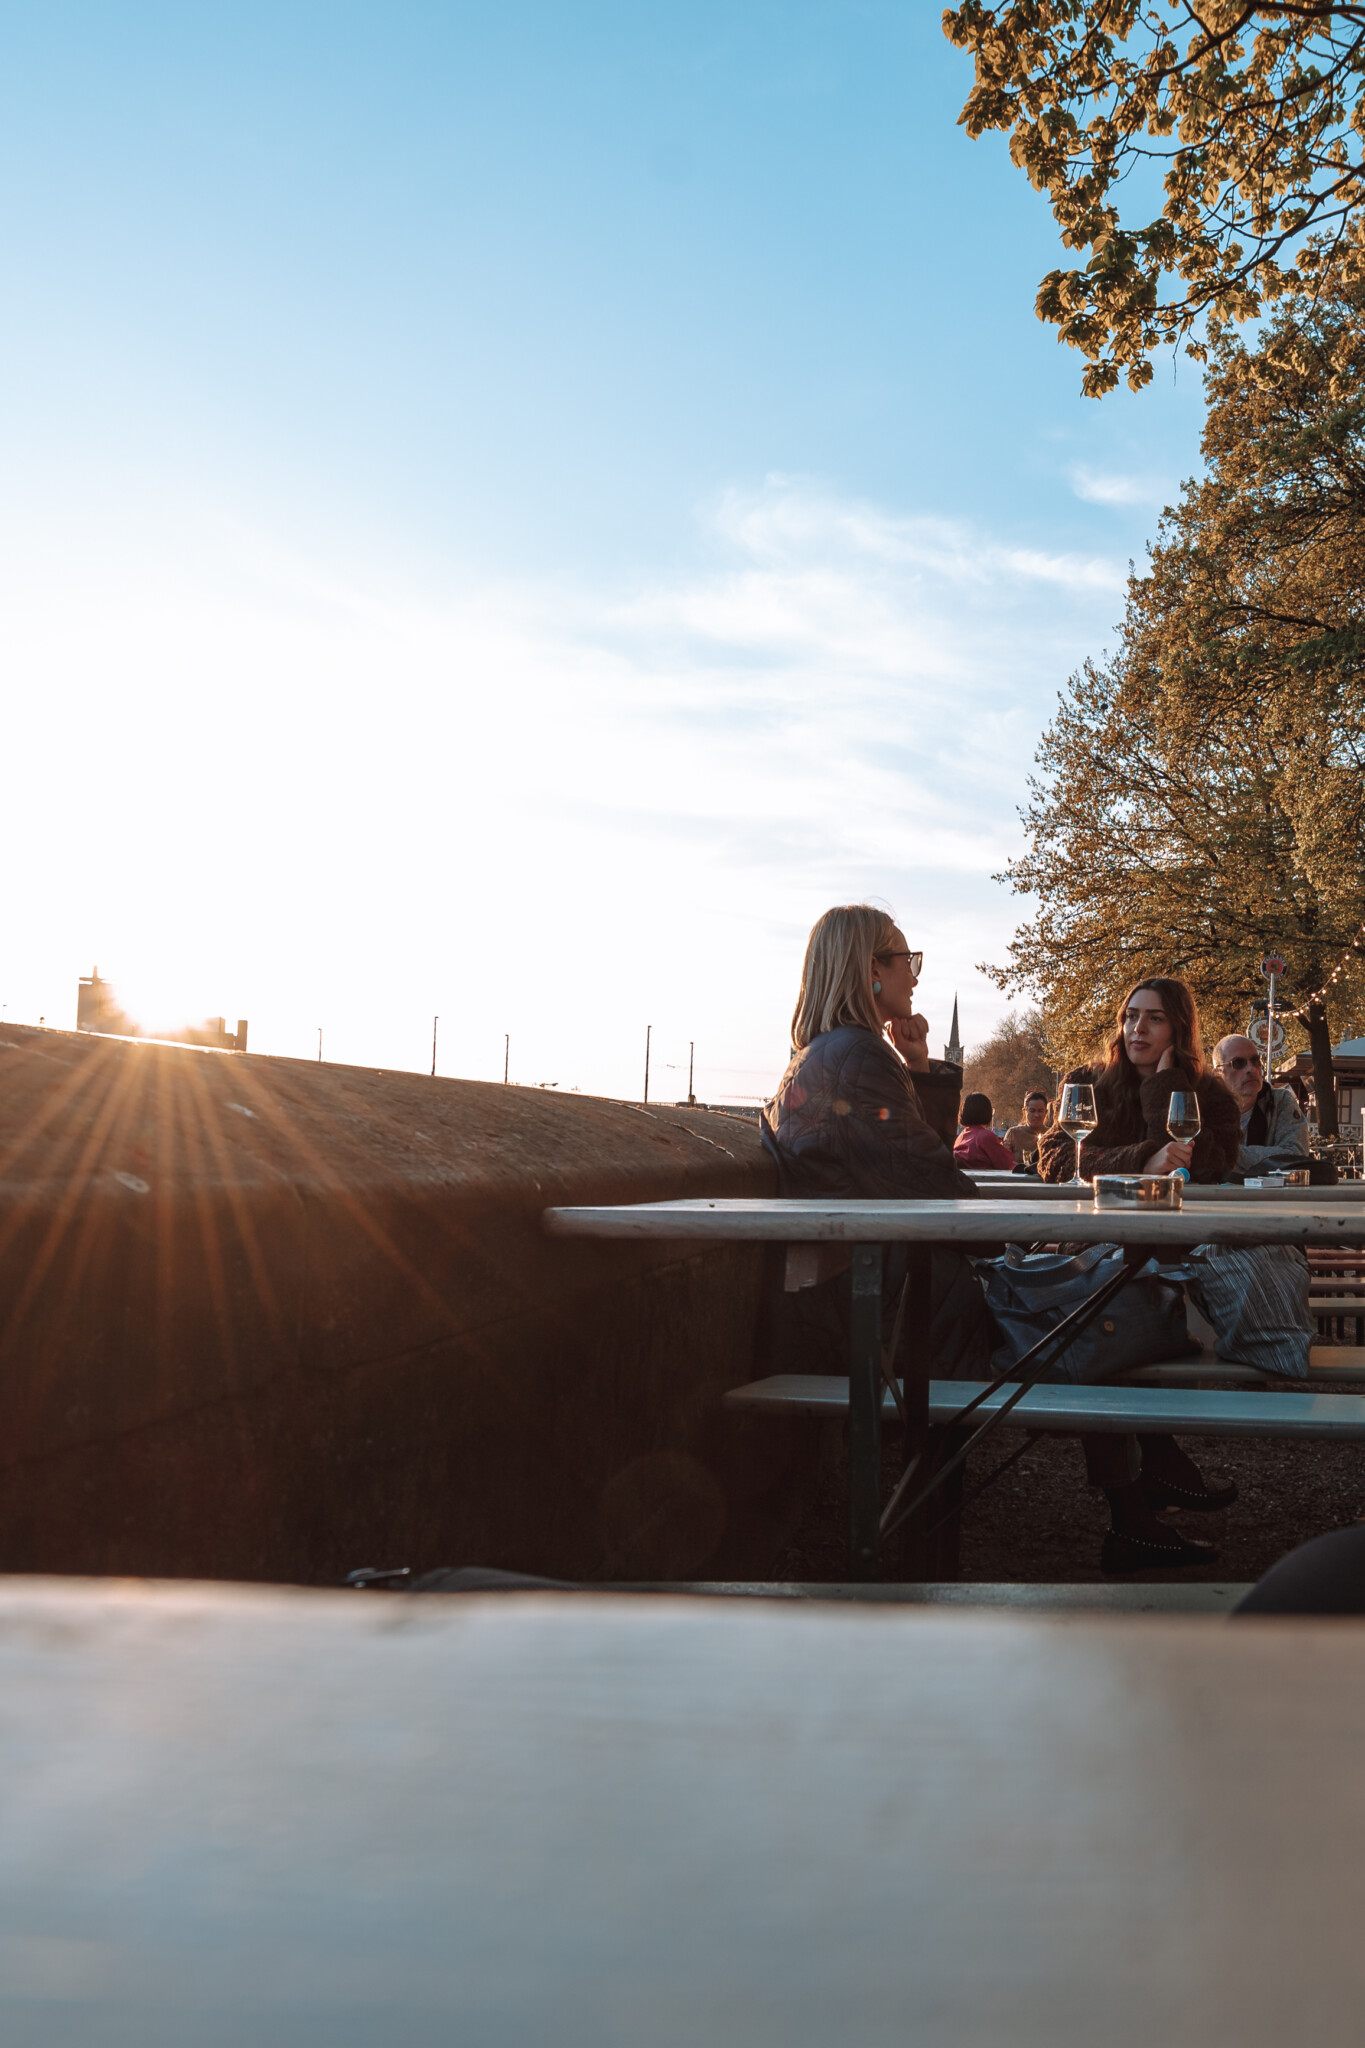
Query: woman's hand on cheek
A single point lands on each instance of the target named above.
(910, 1036)
(1167, 1060)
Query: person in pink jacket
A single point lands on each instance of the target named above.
(976, 1143)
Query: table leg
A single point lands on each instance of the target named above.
(864, 1412)
(913, 1559)
(1019, 1377)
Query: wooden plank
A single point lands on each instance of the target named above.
(1022, 1186)
(1107, 1596)
(1192, 1372)
(988, 1220)
(1329, 1365)
(1066, 1409)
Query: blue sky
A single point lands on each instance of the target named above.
(510, 511)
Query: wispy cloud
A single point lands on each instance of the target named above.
(1116, 487)
(791, 520)
(532, 807)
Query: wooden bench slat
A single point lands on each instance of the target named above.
(1193, 1372)
(1256, 1411)
(1221, 1372)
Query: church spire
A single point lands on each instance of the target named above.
(953, 1050)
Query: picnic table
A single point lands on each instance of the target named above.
(867, 1226)
(261, 1817)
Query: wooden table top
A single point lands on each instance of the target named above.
(1021, 1188)
(989, 1220)
(305, 1820)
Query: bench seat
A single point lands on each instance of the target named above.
(1253, 1411)
(1329, 1365)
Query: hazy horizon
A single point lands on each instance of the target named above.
(510, 517)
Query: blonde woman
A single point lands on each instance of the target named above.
(863, 1110)
(861, 1101)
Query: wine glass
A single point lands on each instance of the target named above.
(1182, 1118)
(1078, 1117)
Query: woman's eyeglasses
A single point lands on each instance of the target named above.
(915, 960)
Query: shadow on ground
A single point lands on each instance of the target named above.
(1042, 1522)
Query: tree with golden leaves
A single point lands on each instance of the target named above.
(1201, 800)
(1257, 582)
(1008, 1064)
(1251, 117)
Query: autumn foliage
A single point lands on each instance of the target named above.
(1201, 795)
(1209, 159)
(1008, 1064)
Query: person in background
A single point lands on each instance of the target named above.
(1156, 1048)
(976, 1143)
(1023, 1138)
(1274, 1131)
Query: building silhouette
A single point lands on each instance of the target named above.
(98, 1009)
(953, 1049)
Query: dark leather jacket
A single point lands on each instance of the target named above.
(849, 1118)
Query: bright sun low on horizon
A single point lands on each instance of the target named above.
(509, 517)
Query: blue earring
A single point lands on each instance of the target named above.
(876, 988)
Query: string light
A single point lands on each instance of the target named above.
(1306, 1005)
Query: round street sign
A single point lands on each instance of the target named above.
(1256, 1034)
(1272, 964)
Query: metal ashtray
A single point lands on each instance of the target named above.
(1138, 1190)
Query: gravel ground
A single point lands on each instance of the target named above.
(1042, 1521)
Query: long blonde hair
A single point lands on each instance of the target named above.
(836, 977)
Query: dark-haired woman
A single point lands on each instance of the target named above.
(976, 1144)
(1156, 1048)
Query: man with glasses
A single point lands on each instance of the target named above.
(1274, 1134)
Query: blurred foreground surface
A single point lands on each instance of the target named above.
(287, 1817)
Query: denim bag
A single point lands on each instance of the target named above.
(1256, 1297)
(1029, 1293)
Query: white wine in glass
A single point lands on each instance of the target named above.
(1182, 1118)
(1078, 1118)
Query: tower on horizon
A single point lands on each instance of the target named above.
(953, 1049)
